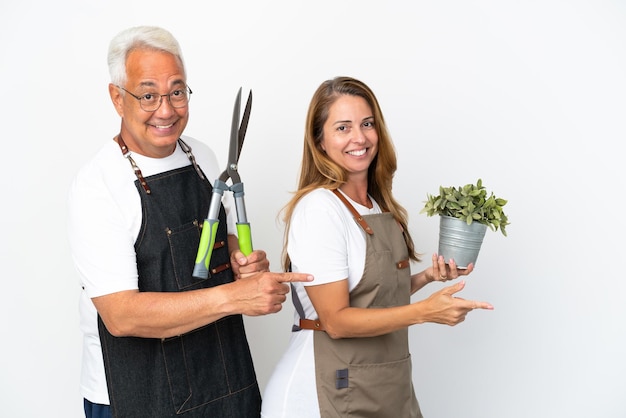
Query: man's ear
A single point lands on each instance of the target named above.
(117, 99)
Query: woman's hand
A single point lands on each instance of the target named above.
(443, 307)
(442, 272)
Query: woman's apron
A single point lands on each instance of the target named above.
(370, 377)
(207, 372)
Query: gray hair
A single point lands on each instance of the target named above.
(139, 37)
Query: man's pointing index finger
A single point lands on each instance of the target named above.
(294, 277)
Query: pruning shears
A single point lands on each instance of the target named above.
(209, 228)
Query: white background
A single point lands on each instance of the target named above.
(529, 96)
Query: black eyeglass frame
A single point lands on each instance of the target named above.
(169, 98)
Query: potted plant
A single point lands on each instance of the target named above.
(465, 213)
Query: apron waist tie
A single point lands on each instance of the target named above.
(313, 324)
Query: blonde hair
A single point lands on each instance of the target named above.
(319, 171)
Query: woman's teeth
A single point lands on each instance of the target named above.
(357, 153)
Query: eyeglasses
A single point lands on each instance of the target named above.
(150, 102)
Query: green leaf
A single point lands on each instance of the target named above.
(470, 203)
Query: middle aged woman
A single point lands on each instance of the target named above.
(349, 352)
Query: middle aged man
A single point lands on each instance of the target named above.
(159, 342)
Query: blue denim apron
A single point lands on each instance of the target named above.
(207, 372)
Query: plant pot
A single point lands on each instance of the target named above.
(460, 241)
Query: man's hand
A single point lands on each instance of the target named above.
(246, 266)
(264, 292)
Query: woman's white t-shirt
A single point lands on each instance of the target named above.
(325, 241)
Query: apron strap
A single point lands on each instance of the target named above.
(313, 324)
(126, 152)
(298, 305)
(357, 216)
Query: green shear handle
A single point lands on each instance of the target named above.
(209, 231)
(243, 226)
